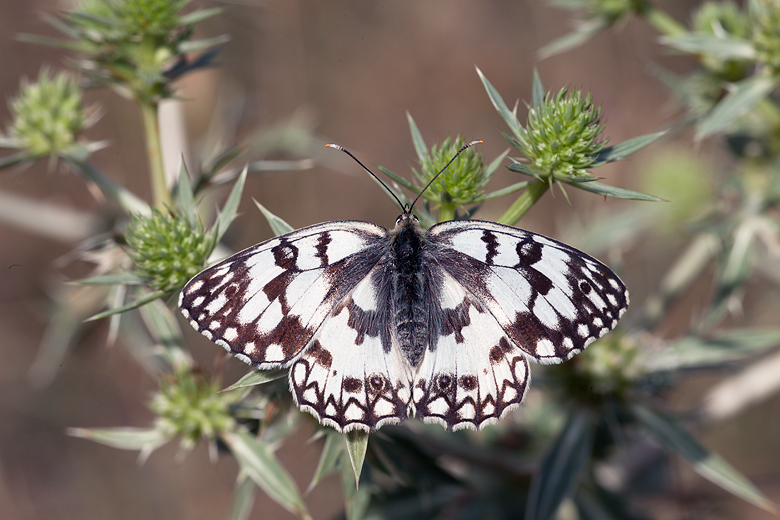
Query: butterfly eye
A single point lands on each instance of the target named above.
(398, 220)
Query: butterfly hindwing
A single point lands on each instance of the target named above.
(473, 373)
(551, 300)
(266, 303)
(350, 375)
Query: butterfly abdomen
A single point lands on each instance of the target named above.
(408, 290)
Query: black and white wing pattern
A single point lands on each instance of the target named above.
(377, 326)
(308, 298)
(506, 295)
(551, 300)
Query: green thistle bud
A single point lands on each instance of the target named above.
(138, 47)
(48, 116)
(190, 405)
(766, 34)
(613, 365)
(461, 183)
(606, 369)
(610, 10)
(148, 17)
(562, 137)
(166, 250)
(726, 15)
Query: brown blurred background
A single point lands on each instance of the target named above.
(351, 70)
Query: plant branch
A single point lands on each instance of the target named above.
(524, 202)
(661, 21)
(161, 196)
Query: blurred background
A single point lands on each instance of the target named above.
(347, 72)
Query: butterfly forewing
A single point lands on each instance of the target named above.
(551, 300)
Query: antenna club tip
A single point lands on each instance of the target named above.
(331, 145)
(477, 141)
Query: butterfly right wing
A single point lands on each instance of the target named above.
(472, 373)
(552, 300)
(266, 303)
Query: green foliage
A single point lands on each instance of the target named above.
(167, 250)
(562, 138)
(189, 406)
(766, 37)
(48, 116)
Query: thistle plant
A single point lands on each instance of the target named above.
(166, 250)
(584, 415)
(49, 117)
(138, 48)
(765, 37)
(460, 185)
(562, 141)
(189, 405)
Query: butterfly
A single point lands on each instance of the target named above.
(380, 325)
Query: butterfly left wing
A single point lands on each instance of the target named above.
(352, 376)
(550, 299)
(266, 303)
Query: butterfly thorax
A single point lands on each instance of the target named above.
(407, 251)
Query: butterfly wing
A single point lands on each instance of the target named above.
(266, 303)
(550, 299)
(472, 373)
(351, 376)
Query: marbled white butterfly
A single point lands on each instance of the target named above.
(379, 325)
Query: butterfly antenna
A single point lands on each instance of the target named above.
(374, 175)
(472, 143)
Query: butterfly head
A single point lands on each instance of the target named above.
(407, 217)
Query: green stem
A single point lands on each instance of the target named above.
(160, 194)
(524, 202)
(664, 23)
(446, 213)
(126, 199)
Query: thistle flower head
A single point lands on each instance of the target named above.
(167, 250)
(134, 19)
(190, 405)
(137, 47)
(563, 136)
(727, 15)
(766, 33)
(608, 369)
(610, 10)
(48, 116)
(461, 183)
